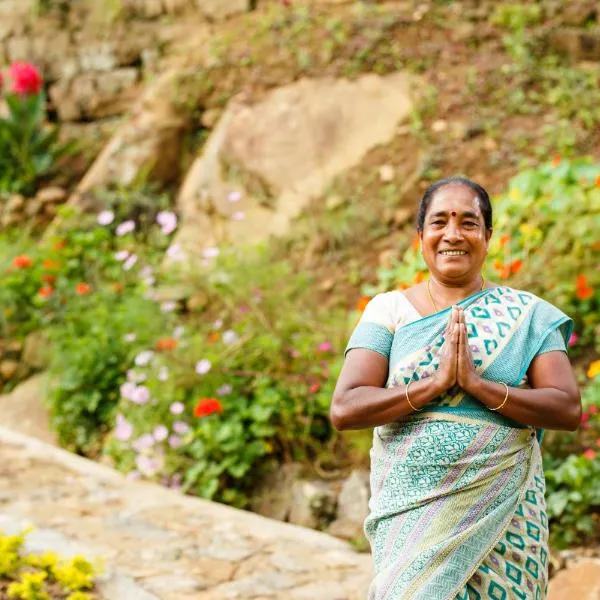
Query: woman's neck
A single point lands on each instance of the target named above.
(446, 294)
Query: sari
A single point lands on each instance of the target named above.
(457, 506)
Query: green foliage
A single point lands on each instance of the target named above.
(34, 576)
(270, 370)
(29, 150)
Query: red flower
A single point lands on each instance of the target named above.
(207, 406)
(22, 262)
(589, 454)
(597, 181)
(83, 288)
(314, 388)
(25, 79)
(60, 244)
(45, 292)
(584, 293)
(47, 278)
(516, 265)
(166, 344)
(556, 160)
(362, 303)
(48, 263)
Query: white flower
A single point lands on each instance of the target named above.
(238, 216)
(203, 366)
(129, 337)
(127, 390)
(224, 390)
(174, 252)
(141, 395)
(167, 221)
(143, 358)
(176, 408)
(125, 227)
(163, 374)
(124, 429)
(230, 337)
(106, 217)
(210, 252)
(178, 331)
(168, 306)
(161, 433)
(234, 196)
(218, 324)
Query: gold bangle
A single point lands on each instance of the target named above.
(408, 399)
(505, 398)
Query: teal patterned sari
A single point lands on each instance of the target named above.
(457, 491)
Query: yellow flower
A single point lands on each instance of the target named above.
(594, 369)
(515, 194)
(525, 228)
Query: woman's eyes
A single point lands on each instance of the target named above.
(465, 223)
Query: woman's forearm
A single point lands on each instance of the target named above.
(548, 408)
(365, 406)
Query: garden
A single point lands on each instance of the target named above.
(204, 377)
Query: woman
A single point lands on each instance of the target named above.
(456, 374)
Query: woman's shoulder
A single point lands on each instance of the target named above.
(390, 308)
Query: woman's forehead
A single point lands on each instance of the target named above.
(457, 198)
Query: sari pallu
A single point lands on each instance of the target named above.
(457, 491)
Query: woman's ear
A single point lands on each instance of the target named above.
(488, 236)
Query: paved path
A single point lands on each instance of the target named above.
(161, 545)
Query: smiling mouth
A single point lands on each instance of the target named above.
(453, 252)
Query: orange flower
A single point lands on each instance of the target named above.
(596, 245)
(498, 265)
(22, 262)
(45, 292)
(505, 272)
(581, 281)
(60, 244)
(584, 293)
(589, 454)
(47, 278)
(504, 239)
(214, 337)
(556, 160)
(83, 288)
(362, 303)
(419, 277)
(166, 344)
(415, 243)
(516, 265)
(314, 388)
(207, 406)
(49, 264)
(597, 182)
(402, 286)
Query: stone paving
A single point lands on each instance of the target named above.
(161, 545)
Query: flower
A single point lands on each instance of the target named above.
(130, 262)
(176, 408)
(589, 454)
(234, 196)
(419, 277)
(174, 252)
(125, 227)
(238, 216)
(49, 264)
(556, 161)
(163, 374)
(45, 292)
(597, 181)
(147, 465)
(121, 255)
(160, 433)
(48, 278)
(83, 288)
(504, 239)
(129, 337)
(143, 358)
(516, 265)
(203, 366)
(325, 347)
(168, 306)
(106, 217)
(224, 390)
(180, 427)
(583, 290)
(573, 339)
(229, 337)
(314, 388)
(175, 442)
(22, 262)
(140, 395)
(362, 303)
(207, 406)
(25, 79)
(127, 390)
(60, 244)
(167, 221)
(178, 331)
(124, 429)
(218, 324)
(210, 252)
(166, 344)
(594, 369)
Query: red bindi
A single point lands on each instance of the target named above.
(453, 213)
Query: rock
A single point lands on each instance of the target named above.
(313, 503)
(15, 203)
(386, 173)
(211, 117)
(579, 44)
(8, 369)
(22, 410)
(273, 497)
(581, 581)
(285, 150)
(221, 9)
(147, 145)
(353, 506)
(52, 195)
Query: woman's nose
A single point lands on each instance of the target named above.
(452, 232)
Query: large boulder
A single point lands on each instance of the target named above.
(353, 507)
(264, 162)
(580, 581)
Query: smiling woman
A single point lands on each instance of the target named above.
(458, 376)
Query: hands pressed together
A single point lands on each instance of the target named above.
(456, 364)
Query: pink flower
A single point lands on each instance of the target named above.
(224, 390)
(573, 339)
(175, 442)
(325, 347)
(167, 221)
(130, 262)
(106, 217)
(146, 465)
(238, 216)
(210, 252)
(174, 252)
(161, 433)
(125, 227)
(129, 337)
(230, 337)
(234, 196)
(176, 408)
(180, 427)
(203, 366)
(124, 429)
(121, 255)
(25, 79)
(168, 306)
(127, 390)
(140, 395)
(144, 442)
(589, 454)
(143, 358)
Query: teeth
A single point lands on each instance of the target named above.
(453, 252)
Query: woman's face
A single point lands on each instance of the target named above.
(454, 240)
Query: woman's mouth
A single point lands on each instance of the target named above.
(453, 252)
